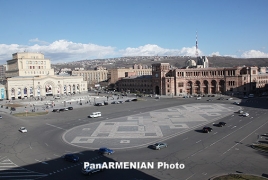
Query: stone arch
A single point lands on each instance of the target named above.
(49, 87)
(19, 93)
(205, 87)
(189, 87)
(197, 86)
(25, 92)
(221, 86)
(213, 87)
(12, 92)
(157, 90)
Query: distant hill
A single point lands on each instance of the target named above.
(177, 61)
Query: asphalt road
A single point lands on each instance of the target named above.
(37, 154)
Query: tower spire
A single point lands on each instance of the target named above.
(196, 46)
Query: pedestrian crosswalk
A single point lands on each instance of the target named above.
(9, 171)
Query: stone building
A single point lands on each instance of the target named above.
(198, 78)
(30, 75)
(117, 74)
(92, 77)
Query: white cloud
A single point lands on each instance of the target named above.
(215, 54)
(64, 51)
(153, 50)
(254, 54)
(36, 40)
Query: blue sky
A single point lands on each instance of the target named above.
(72, 30)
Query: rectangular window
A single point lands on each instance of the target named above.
(180, 84)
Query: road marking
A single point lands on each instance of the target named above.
(43, 162)
(190, 177)
(233, 127)
(244, 138)
(197, 141)
(55, 126)
(185, 138)
(215, 132)
(46, 144)
(30, 146)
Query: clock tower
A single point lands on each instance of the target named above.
(159, 71)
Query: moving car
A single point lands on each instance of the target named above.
(237, 103)
(245, 114)
(207, 129)
(95, 115)
(158, 146)
(71, 157)
(105, 150)
(70, 108)
(221, 124)
(23, 130)
(240, 111)
(92, 168)
(1, 117)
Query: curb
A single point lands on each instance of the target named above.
(212, 178)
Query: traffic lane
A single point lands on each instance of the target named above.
(194, 138)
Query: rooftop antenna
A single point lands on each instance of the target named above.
(196, 46)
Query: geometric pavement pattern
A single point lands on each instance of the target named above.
(144, 128)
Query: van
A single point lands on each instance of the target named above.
(95, 115)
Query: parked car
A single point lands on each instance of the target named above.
(245, 114)
(23, 130)
(128, 100)
(121, 102)
(230, 99)
(71, 157)
(221, 124)
(221, 98)
(158, 146)
(106, 103)
(115, 102)
(207, 129)
(236, 103)
(95, 115)
(70, 108)
(198, 98)
(1, 117)
(209, 100)
(55, 110)
(99, 104)
(62, 109)
(92, 168)
(105, 150)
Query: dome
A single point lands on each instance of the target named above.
(190, 63)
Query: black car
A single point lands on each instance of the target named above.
(62, 109)
(71, 157)
(207, 129)
(54, 110)
(221, 124)
(70, 108)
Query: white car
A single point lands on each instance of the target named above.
(95, 115)
(246, 114)
(23, 130)
(92, 168)
(240, 112)
(198, 98)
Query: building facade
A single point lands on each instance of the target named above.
(117, 74)
(166, 80)
(30, 75)
(92, 77)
